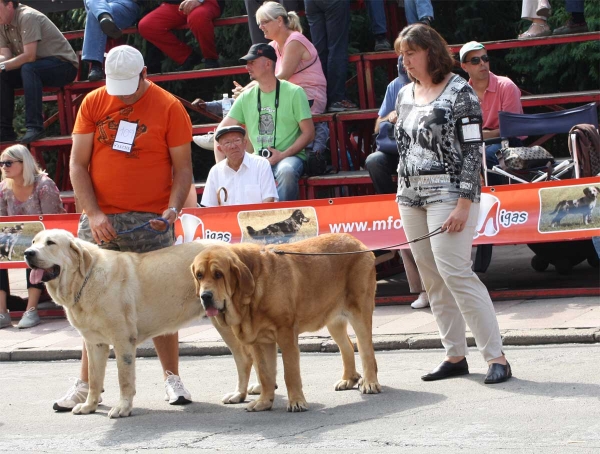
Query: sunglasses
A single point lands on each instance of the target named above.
(7, 163)
(476, 60)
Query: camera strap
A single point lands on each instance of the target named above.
(259, 107)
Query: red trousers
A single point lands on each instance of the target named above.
(157, 25)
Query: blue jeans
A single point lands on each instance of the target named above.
(377, 15)
(491, 160)
(321, 136)
(287, 173)
(124, 13)
(32, 77)
(574, 6)
(329, 22)
(416, 10)
(382, 167)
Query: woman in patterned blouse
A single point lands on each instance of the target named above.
(25, 190)
(438, 133)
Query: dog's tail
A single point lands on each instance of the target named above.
(558, 205)
(251, 231)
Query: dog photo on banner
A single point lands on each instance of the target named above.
(286, 225)
(15, 238)
(569, 208)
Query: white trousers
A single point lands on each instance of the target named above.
(455, 292)
(528, 10)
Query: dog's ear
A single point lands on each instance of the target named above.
(196, 282)
(245, 280)
(84, 256)
(587, 191)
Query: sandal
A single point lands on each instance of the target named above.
(536, 31)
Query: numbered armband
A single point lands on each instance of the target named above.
(469, 130)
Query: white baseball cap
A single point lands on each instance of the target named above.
(470, 46)
(123, 67)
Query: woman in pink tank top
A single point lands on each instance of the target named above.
(297, 59)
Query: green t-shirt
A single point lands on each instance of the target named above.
(293, 108)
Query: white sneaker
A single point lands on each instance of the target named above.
(175, 392)
(421, 302)
(5, 320)
(206, 141)
(77, 394)
(30, 319)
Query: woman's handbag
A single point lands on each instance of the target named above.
(523, 158)
(385, 140)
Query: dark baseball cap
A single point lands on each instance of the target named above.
(260, 50)
(227, 129)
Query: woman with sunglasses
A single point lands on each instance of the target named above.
(439, 137)
(24, 190)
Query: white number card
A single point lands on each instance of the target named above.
(125, 136)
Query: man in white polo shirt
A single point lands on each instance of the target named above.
(241, 178)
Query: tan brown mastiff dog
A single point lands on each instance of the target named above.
(268, 299)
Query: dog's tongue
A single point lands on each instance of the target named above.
(212, 312)
(36, 276)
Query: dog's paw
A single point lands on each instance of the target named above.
(296, 406)
(84, 409)
(254, 389)
(346, 384)
(120, 411)
(234, 398)
(259, 405)
(369, 388)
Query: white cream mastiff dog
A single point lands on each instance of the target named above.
(122, 299)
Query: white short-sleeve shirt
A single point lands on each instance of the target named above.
(253, 182)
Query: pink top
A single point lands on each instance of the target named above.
(501, 95)
(308, 75)
(45, 199)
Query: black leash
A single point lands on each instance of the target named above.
(146, 226)
(424, 237)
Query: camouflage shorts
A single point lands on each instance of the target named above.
(141, 240)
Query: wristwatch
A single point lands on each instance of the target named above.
(174, 210)
(2, 67)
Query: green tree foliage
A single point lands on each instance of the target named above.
(539, 69)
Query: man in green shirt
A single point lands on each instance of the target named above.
(278, 120)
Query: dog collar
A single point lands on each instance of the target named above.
(78, 296)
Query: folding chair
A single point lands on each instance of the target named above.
(515, 125)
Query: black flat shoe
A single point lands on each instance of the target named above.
(96, 74)
(497, 373)
(8, 136)
(447, 369)
(108, 26)
(31, 135)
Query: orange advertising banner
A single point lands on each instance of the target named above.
(527, 213)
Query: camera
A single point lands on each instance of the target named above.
(266, 153)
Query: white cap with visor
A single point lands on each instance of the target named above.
(123, 67)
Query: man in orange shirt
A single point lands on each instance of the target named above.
(130, 164)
